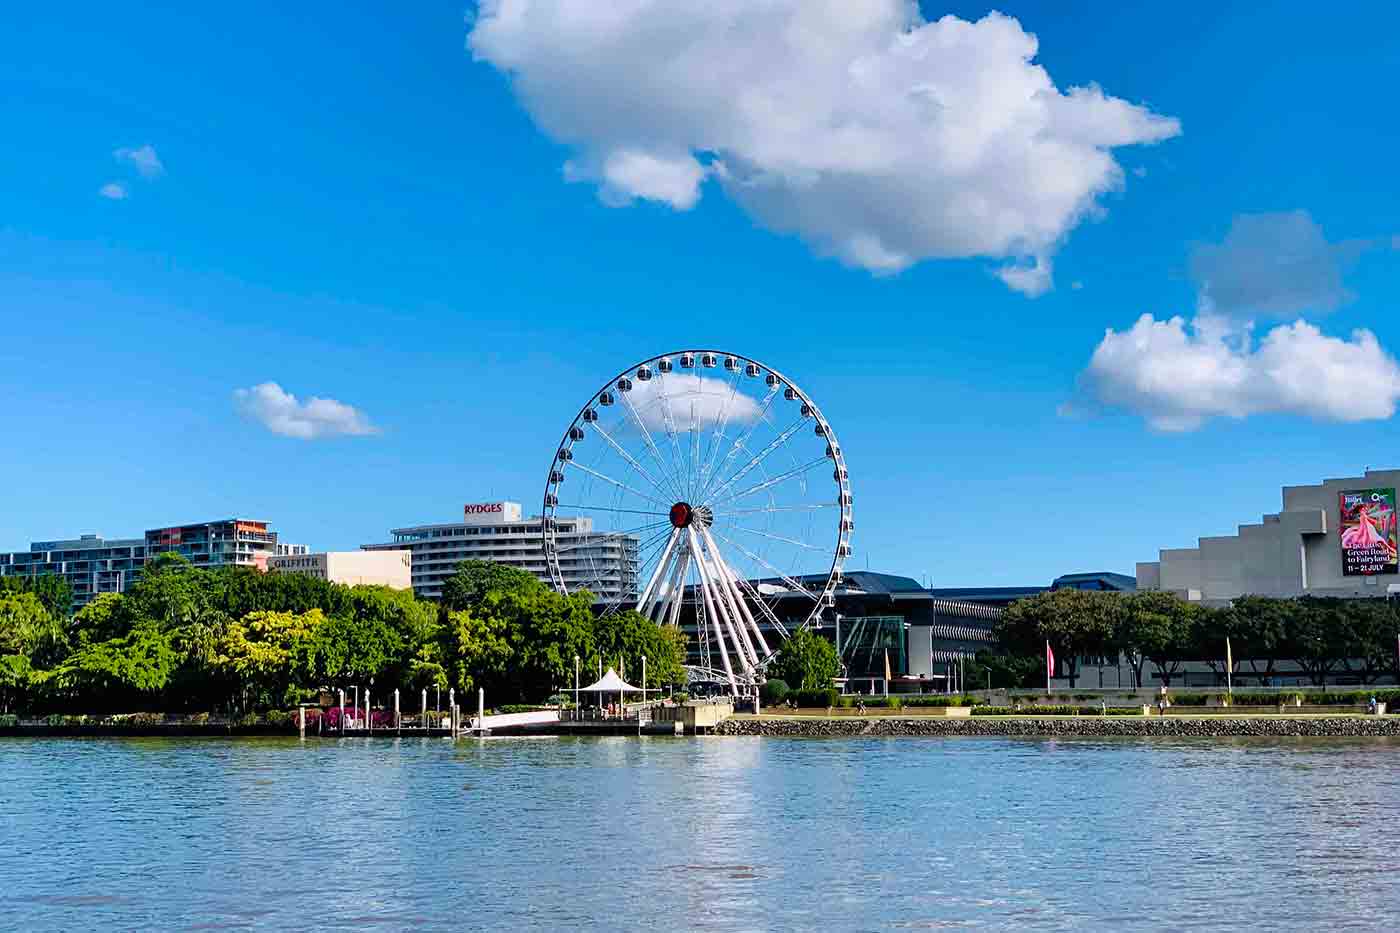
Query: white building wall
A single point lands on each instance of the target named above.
(351, 568)
(1296, 552)
(371, 568)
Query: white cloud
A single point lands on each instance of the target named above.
(875, 136)
(113, 191)
(283, 413)
(1031, 279)
(692, 401)
(143, 158)
(1178, 375)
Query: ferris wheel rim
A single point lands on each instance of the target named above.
(739, 365)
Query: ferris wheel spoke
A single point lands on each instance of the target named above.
(594, 540)
(743, 439)
(816, 506)
(619, 484)
(641, 425)
(694, 450)
(770, 483)
(670, 421)
(631, 460)
(605, 508)
(722, 422)
(762, 455)
(754, 557)
(764, 534)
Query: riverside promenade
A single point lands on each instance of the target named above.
(1176, 726)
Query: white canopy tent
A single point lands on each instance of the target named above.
(611, 683)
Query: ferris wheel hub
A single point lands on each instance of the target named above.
(681, 514)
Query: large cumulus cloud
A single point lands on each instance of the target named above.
(876, 136)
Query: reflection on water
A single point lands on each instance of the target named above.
(712, 834)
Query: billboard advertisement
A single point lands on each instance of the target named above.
(1368, 532)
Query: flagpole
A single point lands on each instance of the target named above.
(1229, 663)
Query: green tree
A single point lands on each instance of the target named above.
(474, 579)
(104, 618)
(29, 637)
(477, 652)
(1372, 627)
(1257, 626)
(51, 589)
(1317, 635)
(270, 656)
(1002, 670)
(806, 661)
(1076, 623)
(624, 638)
(170, 593)
(134, 668)
(1155, 627)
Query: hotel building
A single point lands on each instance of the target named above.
(606, 565)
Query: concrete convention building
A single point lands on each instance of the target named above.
(93, 565)
(606, 565)
(352, 568)
(875, 615)
(1314, 546)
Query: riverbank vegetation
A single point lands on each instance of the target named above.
(1324, 638)
(239, 641)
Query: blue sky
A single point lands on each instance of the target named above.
(352, 205)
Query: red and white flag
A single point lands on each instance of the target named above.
(1049, 664)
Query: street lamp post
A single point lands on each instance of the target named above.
(575, 686)
(342, 711)
(644, 678)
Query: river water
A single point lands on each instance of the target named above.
(707, 834)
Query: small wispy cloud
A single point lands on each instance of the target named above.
(113, 191)
(283, 413)
(143, 159)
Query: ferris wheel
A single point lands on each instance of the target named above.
(704, 489)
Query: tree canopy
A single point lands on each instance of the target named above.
(185, 638)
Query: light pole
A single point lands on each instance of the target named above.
(575, 686)
(342, 710)
(356, 707)
(437, 699)
(644, 679)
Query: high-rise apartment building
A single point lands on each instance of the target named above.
(606, 565)
(93, 565)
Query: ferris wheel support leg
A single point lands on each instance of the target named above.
(728, 614)
(643, 603)
(678, 589)
(710, 610)
(738, 610)
(661, 609)
(731, 583)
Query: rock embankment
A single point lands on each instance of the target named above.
(1088, 726)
